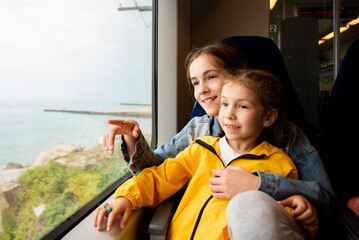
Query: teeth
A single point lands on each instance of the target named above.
(208, 100)
(231, 126)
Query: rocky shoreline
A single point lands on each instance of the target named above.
(13, 170)
(9, 176)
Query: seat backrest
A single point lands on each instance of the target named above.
(340, 127)
(197, 110)
(262, 53)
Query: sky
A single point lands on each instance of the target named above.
(70, 49)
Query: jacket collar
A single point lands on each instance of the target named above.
(263, 148)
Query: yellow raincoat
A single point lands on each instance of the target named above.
(199, 215)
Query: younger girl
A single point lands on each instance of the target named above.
(250, 102)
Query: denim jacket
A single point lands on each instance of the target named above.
(313, 184)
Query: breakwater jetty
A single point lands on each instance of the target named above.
(135, 112)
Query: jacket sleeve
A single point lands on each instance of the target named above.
(314, 187)
(154, 185)
(313, 181)
(144, 156)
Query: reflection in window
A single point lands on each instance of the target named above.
(84, 62)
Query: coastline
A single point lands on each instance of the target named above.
(13, 170)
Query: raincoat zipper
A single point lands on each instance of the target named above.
(210, 148)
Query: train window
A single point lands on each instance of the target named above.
(303, 30)
(66, 68)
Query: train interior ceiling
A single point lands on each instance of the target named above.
(296, 27)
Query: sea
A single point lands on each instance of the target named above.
(26, 130)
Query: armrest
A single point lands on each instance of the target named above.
(163, 215)
(349, 219)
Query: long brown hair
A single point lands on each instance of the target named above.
(227, 57)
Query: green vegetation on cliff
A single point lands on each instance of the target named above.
(49, 194)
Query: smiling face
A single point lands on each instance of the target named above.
(242, 117)
(207, 79)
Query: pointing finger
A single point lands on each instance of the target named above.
(116, 122)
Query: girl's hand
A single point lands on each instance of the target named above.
(120, 127)
(228, 182)
(119, 206)
(304, 212)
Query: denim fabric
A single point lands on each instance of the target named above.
(313, 184)
(143, 157)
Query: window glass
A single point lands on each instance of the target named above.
(66, 67)
(303, 30)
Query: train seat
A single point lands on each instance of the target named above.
(339, 129)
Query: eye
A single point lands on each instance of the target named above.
(195, 83)
(224, 104)
(211, 77)
(242, 106)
